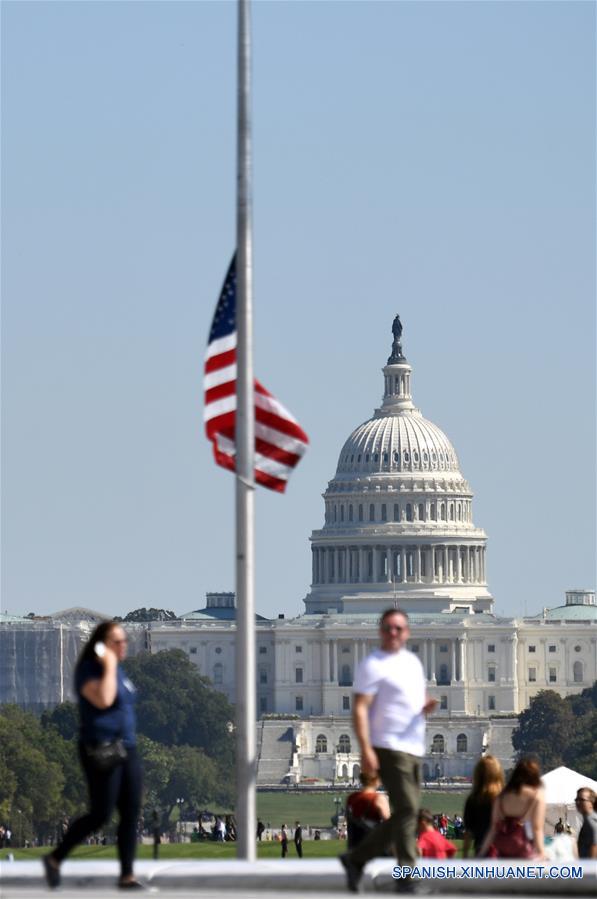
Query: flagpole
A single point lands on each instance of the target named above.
(246, 730)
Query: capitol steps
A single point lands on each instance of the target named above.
(274, 751)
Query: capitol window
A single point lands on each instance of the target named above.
(552, 676)
(491, 703)
(577, 649)
(532, 648)
(321, 743)
(442, 511)
(298, 676)
(491, 647)
(396, 512)
(491, 674)
(218, 673)
(350, 513)
(193, 651)
(360, 511)
(438, 744)
(346, 703)
(432, 513)
(344, 743)
(262, 650)
(384, 514)
(552, 648)
(263, 677)
(421, 511)
(406, 456)
(577, 672)
(409, 512)
(461, 743)
(532, 675)
(298, 703)
(371, 512)
(341, 513)
(396, 457)
(218, 650)
(298, 648)
(443, 703)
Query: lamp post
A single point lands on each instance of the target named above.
(180, 803)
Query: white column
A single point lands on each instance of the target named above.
(458, 564)
(418, 564)
(389, 564)
(453, 646)
(337, 660)
(425, 660)
(432, 678)
(403, 564)
(461, 661)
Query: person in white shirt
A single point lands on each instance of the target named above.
(389, 708)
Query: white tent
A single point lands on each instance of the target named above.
(561, 786)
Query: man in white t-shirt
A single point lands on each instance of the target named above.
(389, 708)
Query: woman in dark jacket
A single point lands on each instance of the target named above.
(107, 749)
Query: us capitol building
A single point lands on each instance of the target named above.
(398, 530)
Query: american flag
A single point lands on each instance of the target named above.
(279, 439)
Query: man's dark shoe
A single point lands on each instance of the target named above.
(353, 873)
(52, 871)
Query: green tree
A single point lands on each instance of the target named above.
(545, 729)
(193, 779)
(177, 706)
(581, 751)
(150, 615)
(64, 718)
(35, 783)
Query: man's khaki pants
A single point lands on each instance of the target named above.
(400, 774)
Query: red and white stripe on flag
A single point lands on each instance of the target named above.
(279, 439)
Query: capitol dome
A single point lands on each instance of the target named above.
(403, 441)
(398, 515)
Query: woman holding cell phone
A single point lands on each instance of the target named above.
(107, 749)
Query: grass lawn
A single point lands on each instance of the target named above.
(317, 809)
(198, 851)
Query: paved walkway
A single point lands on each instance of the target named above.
(298, 876)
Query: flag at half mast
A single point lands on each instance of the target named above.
(279, 439)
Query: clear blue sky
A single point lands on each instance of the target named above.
(431, 159)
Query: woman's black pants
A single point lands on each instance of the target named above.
(121, 789)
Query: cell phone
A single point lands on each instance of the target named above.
(100, 649)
